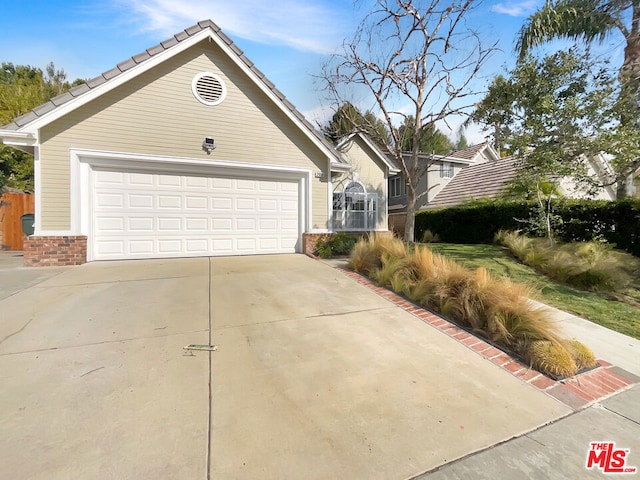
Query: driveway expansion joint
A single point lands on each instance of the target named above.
(576, 392)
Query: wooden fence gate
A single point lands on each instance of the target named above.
(12, 207)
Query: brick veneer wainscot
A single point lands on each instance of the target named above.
(309, 239)
(309, 242)
(54, 251)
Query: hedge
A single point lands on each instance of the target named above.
(578, 220)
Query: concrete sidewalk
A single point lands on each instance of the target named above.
(621, 350)
(557, 451)
(14, 276)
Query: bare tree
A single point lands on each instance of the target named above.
(412, 58)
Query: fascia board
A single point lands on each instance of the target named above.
(16, 138)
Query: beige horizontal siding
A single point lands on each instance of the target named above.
(156, 113)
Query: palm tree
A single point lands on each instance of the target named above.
(594, 20)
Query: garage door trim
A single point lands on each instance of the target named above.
(83, 163)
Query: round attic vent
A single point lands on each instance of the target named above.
(208, 88)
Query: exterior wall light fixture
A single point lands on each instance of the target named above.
(208, 145)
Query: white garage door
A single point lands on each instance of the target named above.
(148, 215)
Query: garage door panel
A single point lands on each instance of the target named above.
(140, 179)
(268, 205)
(197, 245)
(222, 183)
(222, 225)
(111, 224)
(169, 201)
(106, 178)
(222, 204)
(144, 215)
(245, 204)
(141, 247)
(168, 180)
(140, 224)
(108, 200)
(196, 203)
(140, 201)
(194, 224)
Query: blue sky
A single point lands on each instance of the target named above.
(286, 39)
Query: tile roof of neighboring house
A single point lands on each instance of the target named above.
(477, 181)
(465, 156)
(149, 53)
(469, 152)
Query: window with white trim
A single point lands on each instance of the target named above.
(446, 170)
(355, 209)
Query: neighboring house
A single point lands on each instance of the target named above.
(186, 149)
(600, 169)
(486, 180)
(489, 179)
(441, 170)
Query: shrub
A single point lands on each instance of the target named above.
(582, 355)
(335, 244)
(519, 245)
(497, 309)
(391, 266)
(586, 265)
(513, 321)
(429, 237)
(551, 357)
(368, 252)
(616, 222)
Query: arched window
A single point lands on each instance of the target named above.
(354, 208)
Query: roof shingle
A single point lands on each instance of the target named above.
(477, 181)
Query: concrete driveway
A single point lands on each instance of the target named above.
(315, 376)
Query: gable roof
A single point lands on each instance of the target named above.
(473, 151)
(466, 156)
(477, 181)
(23, 130)
(377, 152)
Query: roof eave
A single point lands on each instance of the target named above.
(383, 158)
(340, 167)
(18, 139)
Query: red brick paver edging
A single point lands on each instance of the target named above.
(576, 392)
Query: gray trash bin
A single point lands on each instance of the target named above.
(28, 221)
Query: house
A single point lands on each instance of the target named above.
(440, 170)
(358, 195)
(489, 179)
(485, 180)
(186, 149)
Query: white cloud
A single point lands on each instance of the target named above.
(304, 25)
(516, 9)
(320, 115)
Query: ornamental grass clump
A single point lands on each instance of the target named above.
(494, 308)
(551, 357)
(368, 252)
(586, 265)
(582, 355)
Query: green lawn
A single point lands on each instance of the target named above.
(618, 316)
